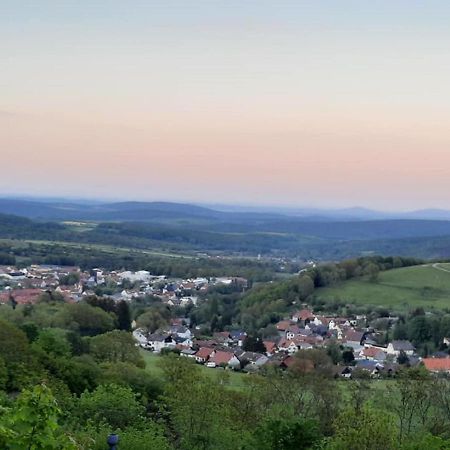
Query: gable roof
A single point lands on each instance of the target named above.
(221, 357)
(371, 352)
(304, 314)
(204, 352)
(437, 364)
(402, 345)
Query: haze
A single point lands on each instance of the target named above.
(293, 103)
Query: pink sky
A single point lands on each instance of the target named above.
(272, 106)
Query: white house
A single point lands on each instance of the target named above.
(395, 347)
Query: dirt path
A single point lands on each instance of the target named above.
(442, 269)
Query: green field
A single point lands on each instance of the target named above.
(427, 286)
(235, 381)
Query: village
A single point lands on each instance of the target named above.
(359, 345)
(26, 285)
(304, 330)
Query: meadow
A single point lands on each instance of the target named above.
(426, 286)
(234, 380)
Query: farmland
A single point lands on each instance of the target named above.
(426, 286)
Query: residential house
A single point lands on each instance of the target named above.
(224, 359)
(372, 354)
(271, 347)
(203, 354)
(156, 342)
(395, 347)
(437, 365)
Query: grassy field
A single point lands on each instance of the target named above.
(427, 286)
(235, 381)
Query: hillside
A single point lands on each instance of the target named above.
(402, 289)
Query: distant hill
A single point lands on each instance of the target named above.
(192, 228)
(55, 209)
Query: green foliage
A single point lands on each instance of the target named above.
(115, 346)
(285, 434)
(365, 429)
(116, 405)
(152, 320)
(53, 342)
(33, 423)
(143, 436)
(253, 344)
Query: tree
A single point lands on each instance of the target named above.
(53, 342)
(86, 319)
(151, 321)
(287, 434)
(115, 346)
(116, 405)
(123, 316)
(348, 357)
(372, 271)
(33, 423)
(366, 429)
(253, 343)
(402, 358)
(334, 352)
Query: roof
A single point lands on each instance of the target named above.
(402, 345)
(354, 336)
(221, 357)
(21, 296)
(157, 337)
(437, 364)
(304, 314)
(283, 325)
(270, 346)
(204, 352)
(371, 352)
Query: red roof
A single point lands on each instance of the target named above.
(283, 325)
(21, 296)
(371, 352)
(204, 353)
(221, 357)
(270, 346)
(437, 364)
(304, 314)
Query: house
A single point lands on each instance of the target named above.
(342, 372)
(257, 360)
(292, 331)
(222, 358)
(238, 337)
(372, 354)
(271, 347)
(287, 345)
(223, 338)
(156, 342)
(373, 367)
(140, 337)
(203, 354)
(293, 345)
(395, 347)
(305, 315)
(283, 325)
(189, 353)
(437, 365)
(180, 331)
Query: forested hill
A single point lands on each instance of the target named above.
(323, 241)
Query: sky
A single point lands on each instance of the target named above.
(293, 103)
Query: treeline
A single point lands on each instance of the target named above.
(426, 332)
(88, 258)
